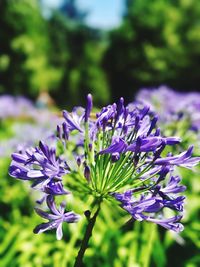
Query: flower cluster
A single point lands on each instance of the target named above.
(41, 166)
(119, 154)
(181, 105)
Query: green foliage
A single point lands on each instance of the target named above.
(24, 50)
(76, 50)
(158, 42)
(59, 53)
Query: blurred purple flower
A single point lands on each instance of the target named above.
(182, 106)
(11, 106)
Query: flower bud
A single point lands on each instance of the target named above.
(88, 107)
(78, 161)
(65, 131)
(90, 147)
(115, 157)
(87, 173)
(59, 133)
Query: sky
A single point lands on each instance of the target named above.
(104, 14)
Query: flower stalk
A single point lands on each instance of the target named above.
(86, 238)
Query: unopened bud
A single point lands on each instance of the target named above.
(87, 173)
(88, 107)
(78, 161)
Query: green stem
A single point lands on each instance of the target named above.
(150, 231)
(87, 236)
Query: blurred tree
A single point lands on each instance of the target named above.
(76, 50)
(70, 10)
(58, 52)
(158, 42)
(24, 66)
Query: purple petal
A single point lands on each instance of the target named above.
(18, 171)
(44, 227)
(59, 232)
(118, 145)
(19, 158)
(72, 121)
(155, 207)
(172, 140)
(45, 215)
(55, 188)
(153, 124)
(71, 217)
(173, 187)
(170, 224)
(146, 144)
(184, 159)
(51, 205)
(44, 148)
(35, 174)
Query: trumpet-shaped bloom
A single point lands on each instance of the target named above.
(56, 218)
(184, 159)
(41, 165)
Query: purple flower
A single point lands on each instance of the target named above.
(75, 119)
(54, 188)
(56, 218)
(122, 150)
(181, 107)
(118, 145)
(108, 113)
(11, 106)
(147, 208)
(159, 197)
(133, 119)
(173, 186)
(151, 143)
(174, 204)
(184, 159)
(125, 198)
(138, 209)
(172, 223)
(40, 165)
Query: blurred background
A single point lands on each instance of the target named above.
(109, 48)
(54, 52)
